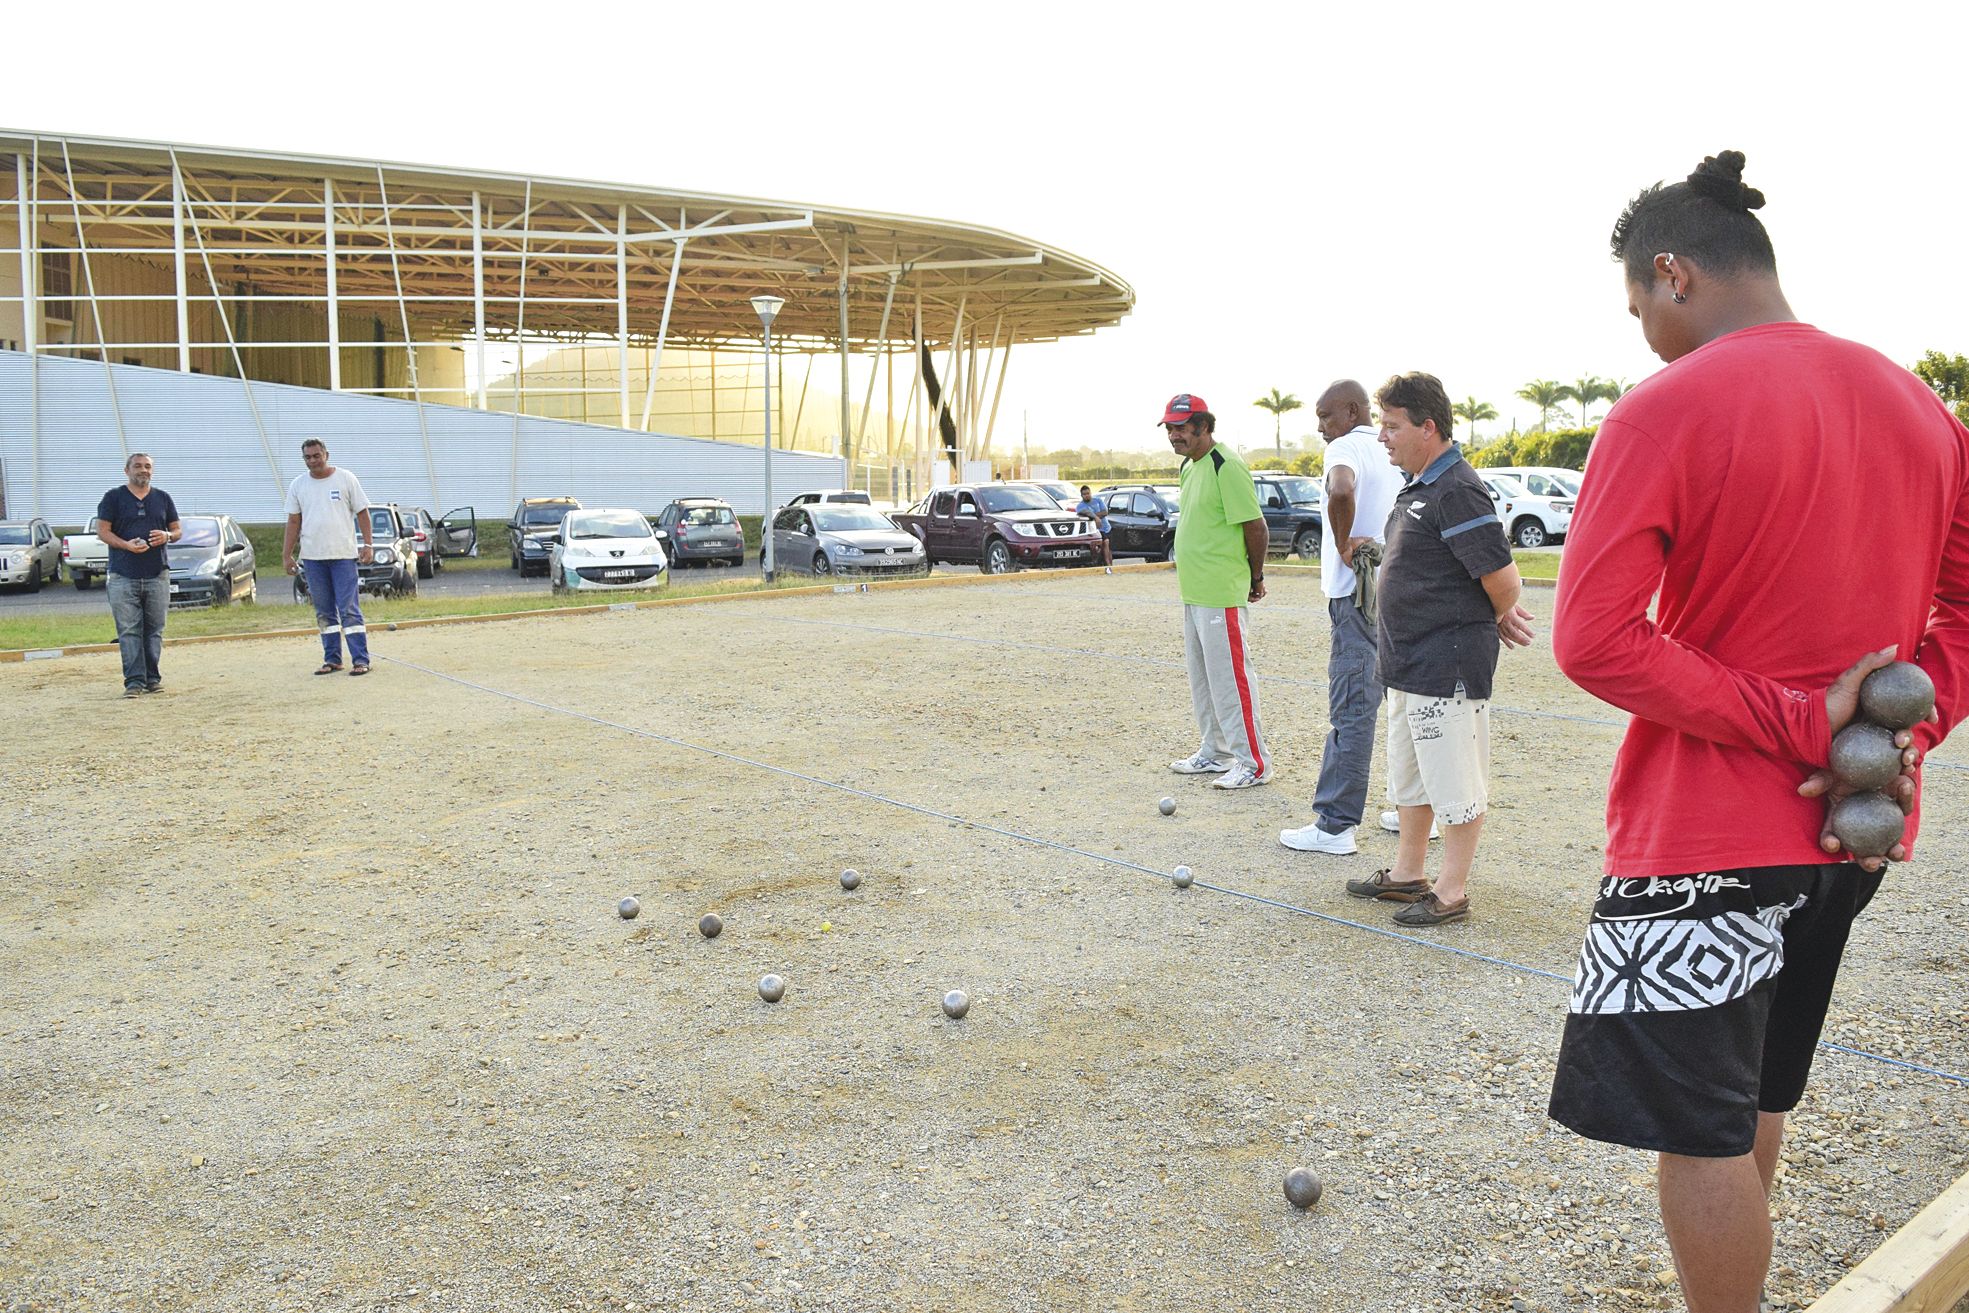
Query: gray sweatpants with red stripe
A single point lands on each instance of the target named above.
(1223, 691)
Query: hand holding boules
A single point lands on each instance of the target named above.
(1870, 783)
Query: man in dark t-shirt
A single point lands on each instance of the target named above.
(1448, 596)
(137, 523)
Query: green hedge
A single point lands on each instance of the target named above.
(1565, 448)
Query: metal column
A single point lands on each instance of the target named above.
(478, 296)
(178, 270)
(847, 449)
(622, 313)
(334, 304)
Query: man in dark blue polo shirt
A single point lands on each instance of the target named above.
(1448, 596)
(137, 522)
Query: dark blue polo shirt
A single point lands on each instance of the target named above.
(1437, 628)
(131, 516)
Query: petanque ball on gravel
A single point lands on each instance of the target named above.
(1302, 1187)
(1865, 756)
(628, 907)
(1897, 696)
(772, 988)
(710, 925)
(1167, 806)
(955, 1004)
(1867, 823)
(1183, 877)
(851, 879)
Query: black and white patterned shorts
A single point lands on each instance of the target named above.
(1698, 1003)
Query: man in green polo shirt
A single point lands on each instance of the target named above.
(1220, 569)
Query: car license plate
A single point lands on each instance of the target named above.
(1073, 553)
(618, 574)
(175, 590)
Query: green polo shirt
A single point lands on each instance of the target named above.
(1218, 501)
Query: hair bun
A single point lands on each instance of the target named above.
(1720, 178)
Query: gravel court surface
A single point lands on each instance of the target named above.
(324, 1035)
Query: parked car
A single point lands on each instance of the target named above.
(1066, 494)
(1295, 507)
(1543, 480)
(392, 568)
(212, 563)
(606, 549)
(851, 496)
(844, 540)
(531, 531)
(999, 527)
(701, 529)
(457, 534)
(85, 555)
(1529, 520)
(1142, 519)
(30, 555)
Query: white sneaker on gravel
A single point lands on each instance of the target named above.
(1240, 776)
(1312, 839)
(1201, 764)
(1392, 823)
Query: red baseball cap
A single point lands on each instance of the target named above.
(1182, 406)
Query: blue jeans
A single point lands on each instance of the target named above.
(139, 607)
(1353, 706)
(333, 586)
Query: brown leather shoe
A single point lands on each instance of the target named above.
(1432, 910)
(1379, 885)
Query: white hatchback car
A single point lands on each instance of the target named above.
(1529, 519)
(606, 550)
(1544, 480)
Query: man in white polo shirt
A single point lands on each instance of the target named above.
(325, 507)
(1360, 491)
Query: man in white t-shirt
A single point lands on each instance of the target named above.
(325, 508)
(1361, 486)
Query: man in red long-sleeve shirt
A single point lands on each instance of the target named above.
(1749, 483)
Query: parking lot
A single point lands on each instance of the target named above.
(315, 995)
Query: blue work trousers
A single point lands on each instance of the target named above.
(334, 586)
(1353, 707)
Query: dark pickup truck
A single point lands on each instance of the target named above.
(999, 527)
(1294, 507)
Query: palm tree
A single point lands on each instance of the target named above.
(1470, 410)
(1588, 390)
(1546, 394)
(1278, 403)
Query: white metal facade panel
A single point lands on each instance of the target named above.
(211, 456)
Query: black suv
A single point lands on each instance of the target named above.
(1141, 519)
(1294, 509)
(531, 532)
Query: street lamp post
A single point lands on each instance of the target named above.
(768, 306)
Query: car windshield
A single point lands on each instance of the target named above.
(696, 515)
(535, 516)
(607, 524)
(200, 533)
(1012, 498)
(1570, 482)
(13, 535)
(846, 519)
(1302, 492)
(381, 523)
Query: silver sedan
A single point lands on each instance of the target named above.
(844, 539)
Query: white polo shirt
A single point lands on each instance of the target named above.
(327, 508)
(1376, 481)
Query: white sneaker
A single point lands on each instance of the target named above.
(1201, 764)
(1392, 823)
(1240, 776)
(1312, 839)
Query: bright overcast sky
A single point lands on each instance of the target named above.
(1294, 196)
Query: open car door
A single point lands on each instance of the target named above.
(458, 533)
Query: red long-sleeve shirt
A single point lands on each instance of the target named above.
(1797, 501)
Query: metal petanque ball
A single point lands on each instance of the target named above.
(1865, 756)
(1302, 1187)
(710, 925)
(1897, 696)
(1868, 823)
(955, 1004)
(628, 907)
(772, 988)
(1167, 806)
(851, 879)
(1183, 877)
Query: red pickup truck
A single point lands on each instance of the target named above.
(1000, 527)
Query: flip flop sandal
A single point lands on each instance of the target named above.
(1432, 910)
(359, 670)
(328, 670)
(1379, 885)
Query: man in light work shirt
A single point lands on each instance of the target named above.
(1220, 568)
(325, 507)
(137, 523)
(1360, 491)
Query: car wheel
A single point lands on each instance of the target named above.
(997, 558)
(1528, 533)
(407, 583)
(1307, 544)
(34, 577)
(821, 565)
(556, 581)
(222, 592)
(424, 569)
(81, 581)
